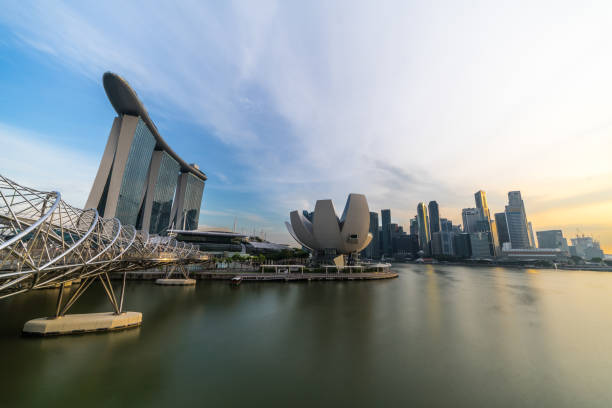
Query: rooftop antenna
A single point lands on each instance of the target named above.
(234, 225)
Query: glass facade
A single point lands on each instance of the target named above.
(385, 216)
(165, 186)
(434, 217)
(517, 228)
(502, 228)
(192, 202)
(134, 180)
(423, 228)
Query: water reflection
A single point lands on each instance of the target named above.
(433, 301)
(436, 336)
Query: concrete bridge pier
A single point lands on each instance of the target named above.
(63, 323)
(185, 280)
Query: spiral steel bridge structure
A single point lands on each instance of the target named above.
(45, 242)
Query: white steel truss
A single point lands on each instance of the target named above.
(45, 242)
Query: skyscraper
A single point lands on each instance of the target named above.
(371, 251)
(434, 217)
(386, 232)
(470, 217)
(141, 181)
(502, 228)
(385, 217)
(446, 236)
(446, 225)
(423, 228)
(395, 232)
(462, 246)
(436, 243)
(480, 245)
(481, 203)
(484, 223)
(516, 220)
(414, 226)
(493, 238)
(532, 242)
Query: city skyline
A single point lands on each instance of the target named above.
(259, 101)
(502, 237)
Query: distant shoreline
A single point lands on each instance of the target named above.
(592, 268)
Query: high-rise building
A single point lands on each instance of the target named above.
(552, 239)
(470, 217)
(479, 242)
(436, 243)
(386, 232)
(447, 243)
(493, 235)
(407, 245)
(461, 245)
(484, 223)
(446, 236)
(141, 180)
(434, 217)
(385, 217)
(371, 251)
(394, 232)
(532, 242)
(516, 221)
(414, 226)
(446, 225)
(502, 228)
(423, 228)
(481, 203)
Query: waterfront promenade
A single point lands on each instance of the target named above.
(252, 274)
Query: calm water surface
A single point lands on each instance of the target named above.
(436, 336)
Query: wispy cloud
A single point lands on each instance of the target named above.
(404, 102)
(33, 162)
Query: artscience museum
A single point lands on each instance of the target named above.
(332, 239)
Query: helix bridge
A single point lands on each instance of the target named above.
(45, 242)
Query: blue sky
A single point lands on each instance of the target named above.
(283, 103)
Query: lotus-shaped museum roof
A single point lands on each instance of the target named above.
(347, 234)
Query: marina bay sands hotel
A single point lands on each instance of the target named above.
(141, 180)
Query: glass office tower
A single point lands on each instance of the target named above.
(434, 217)
(516, 220)
(423, 228)
(387, 248)
(371, 251)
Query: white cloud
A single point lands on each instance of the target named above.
(32, 162)
(404, 102)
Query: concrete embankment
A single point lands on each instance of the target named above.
(255, 275)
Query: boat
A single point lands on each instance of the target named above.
(236, 280)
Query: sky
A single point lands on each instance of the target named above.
(282, 103)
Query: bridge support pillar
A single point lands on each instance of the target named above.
(82, 323)
(185, 280)
(63, 323)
